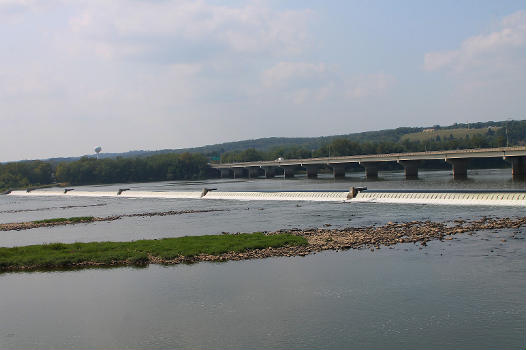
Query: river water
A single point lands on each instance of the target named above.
(467, 293)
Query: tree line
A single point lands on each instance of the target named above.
(344, 146)
(25, 174)
(90, 170)
(170, 166)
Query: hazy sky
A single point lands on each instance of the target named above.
(131, 74)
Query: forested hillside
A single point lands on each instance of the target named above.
(393, 141)
(193, 164)
(517, 131)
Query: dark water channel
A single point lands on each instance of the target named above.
(468, 293)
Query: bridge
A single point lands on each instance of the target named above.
(410, 161)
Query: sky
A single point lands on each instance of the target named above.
(157, 74)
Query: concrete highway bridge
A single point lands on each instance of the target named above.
(410, 161)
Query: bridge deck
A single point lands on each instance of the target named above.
(519, 151)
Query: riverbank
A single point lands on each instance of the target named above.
(243, 246)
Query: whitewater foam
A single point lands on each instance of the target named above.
(406, 197)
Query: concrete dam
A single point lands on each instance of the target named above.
(353, 195)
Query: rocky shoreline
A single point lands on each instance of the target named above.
(19, 226)
(370, 237)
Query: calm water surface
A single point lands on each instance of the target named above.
(468, 293)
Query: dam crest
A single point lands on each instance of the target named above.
(353, 195)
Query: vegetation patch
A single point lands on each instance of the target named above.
(75, 219)
(85, 219)
(47, 222)
(60, 255)
(449, 134)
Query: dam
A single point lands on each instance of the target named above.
(353, 195)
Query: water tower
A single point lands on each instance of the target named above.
(97, 150)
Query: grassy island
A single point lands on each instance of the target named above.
(87, 219)
(48, 222)
(236, 247)
(60, 255)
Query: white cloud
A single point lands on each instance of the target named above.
(123, 28)
(15, 85)
(312, 95)
(17, 8)
(482, 49)
(485, 77)
(303, 82)
(11, 6)
(437, 60)
(284, 72)
(369, 85)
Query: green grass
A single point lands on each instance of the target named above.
(444, 134)
(73, 219)
(60, 255)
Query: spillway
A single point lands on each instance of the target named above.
(501, 198)
(125, 194)
(314, 196)
(438, 197)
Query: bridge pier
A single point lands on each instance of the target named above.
(371, 170)
(338, 170)
(253, 171)
(518, 167)
(270, 171)
(225, 172)
(460, 168)
(410, 168)
(288, 170)
(239, 172)
(312, 170)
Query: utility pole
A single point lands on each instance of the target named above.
(507, 137)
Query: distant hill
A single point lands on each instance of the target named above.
(517, 130)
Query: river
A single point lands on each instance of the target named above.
(467, 293)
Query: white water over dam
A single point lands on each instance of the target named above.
(127, 194)
(445, 198)
(484, 198)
